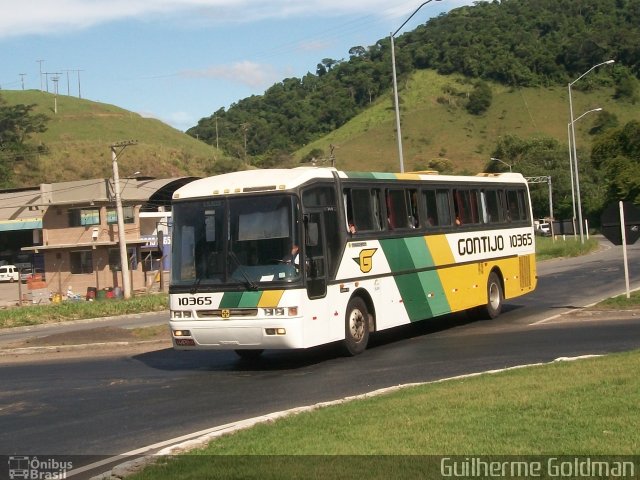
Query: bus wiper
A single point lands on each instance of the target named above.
(195, 285)
(250, 283)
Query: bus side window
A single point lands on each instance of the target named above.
(515, 207)
(362, 207)
(412, 201)
(491, 210)
(431, 209)
(402, 208)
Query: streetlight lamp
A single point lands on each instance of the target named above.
(571, 165)
(504, 163)
(573, 138)
(395, 83)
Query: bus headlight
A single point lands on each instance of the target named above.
(280, 312)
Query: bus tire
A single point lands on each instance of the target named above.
(250, 354)
(495, 297)
(356, 327)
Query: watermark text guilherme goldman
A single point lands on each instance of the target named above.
(551, 467)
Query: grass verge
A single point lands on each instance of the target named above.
(37, 314)
(588, 407)
(621, 301)
(547, 247)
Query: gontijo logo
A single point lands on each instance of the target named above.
(365, 259)
(475, 245)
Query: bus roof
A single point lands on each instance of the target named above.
(264, 180)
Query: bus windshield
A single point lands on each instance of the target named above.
(239, 241)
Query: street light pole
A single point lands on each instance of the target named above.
(395, 84)
(504, 163)
(573, 138)
(573, 195)
(124, 259)
(572, 164)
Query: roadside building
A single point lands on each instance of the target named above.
(20, 226)
(75, 232)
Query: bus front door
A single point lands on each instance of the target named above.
(315, 256)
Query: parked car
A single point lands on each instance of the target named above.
(542, 228)
(9, 273)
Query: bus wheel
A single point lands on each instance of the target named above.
(251, 354)
(495, 296)
(356, 327)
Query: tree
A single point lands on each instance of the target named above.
(17, 124)
(545, 156)
(617, 153)
(627, 88)
(480, 98)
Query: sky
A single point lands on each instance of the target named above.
(182, 60)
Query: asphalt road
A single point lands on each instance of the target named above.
(105, 405)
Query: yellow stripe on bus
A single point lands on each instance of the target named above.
(440, 250)
(464, 285)
(270, 298)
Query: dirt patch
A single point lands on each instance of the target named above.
(102, 341)
(99, 335)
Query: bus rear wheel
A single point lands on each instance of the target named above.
(495, 296)
(356, 327)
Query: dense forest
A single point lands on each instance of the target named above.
(513, 42)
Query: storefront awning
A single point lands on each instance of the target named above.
(20, 224)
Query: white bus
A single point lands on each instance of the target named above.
(294, 258)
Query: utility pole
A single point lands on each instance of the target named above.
(55, 94)
(46, 74)
(79, 93)
(124, 259)
(68, 89)
(40, 62)
(22, 79)
(245, 128)
(217, 144)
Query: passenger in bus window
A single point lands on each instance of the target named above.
(293, 256)
(351, 228)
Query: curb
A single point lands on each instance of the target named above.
(70, 348)
(200, 439)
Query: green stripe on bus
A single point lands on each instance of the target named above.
(372, 175)
(240, 299)
(420, 254)
(434, 292)
(398, 256)
(407, 253)
(422, 293)
(250, 299)
(231, 299)
(413, 296)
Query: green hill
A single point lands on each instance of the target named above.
(76, 143)
(435, 125)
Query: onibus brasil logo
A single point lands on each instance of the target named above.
(34, 468)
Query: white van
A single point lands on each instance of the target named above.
(9, 273)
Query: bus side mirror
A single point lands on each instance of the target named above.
(312, 234)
